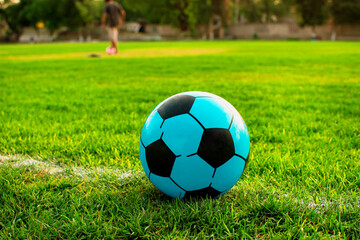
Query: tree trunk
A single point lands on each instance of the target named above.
(236, 13)
(221, 32)
(313, 33)
(184, 25)
(211, 29)
(333, 32)
(80, 34)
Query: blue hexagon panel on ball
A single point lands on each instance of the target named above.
(194, 144)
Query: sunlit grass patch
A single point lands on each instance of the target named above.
(70, 128)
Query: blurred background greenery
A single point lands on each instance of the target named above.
(186, 15)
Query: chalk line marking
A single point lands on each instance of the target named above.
(19, 161)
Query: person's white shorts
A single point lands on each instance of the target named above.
(113, 33)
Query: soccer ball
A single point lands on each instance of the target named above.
(194, 144)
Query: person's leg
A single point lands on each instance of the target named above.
(113, 35)
(114, 40)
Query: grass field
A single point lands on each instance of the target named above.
(70, 128)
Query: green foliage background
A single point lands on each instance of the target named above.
(183, 14)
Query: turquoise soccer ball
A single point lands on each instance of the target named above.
(194, 144)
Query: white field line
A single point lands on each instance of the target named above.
(19, 161)
(310, 201)
(323, 204)
(320, 205)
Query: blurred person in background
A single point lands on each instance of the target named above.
(115, 15)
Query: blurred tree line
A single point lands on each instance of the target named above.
(51, 14)
(184, 14)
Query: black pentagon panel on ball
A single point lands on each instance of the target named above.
(216, 146)
(160, 158)
(177, 105)
(208, 191)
